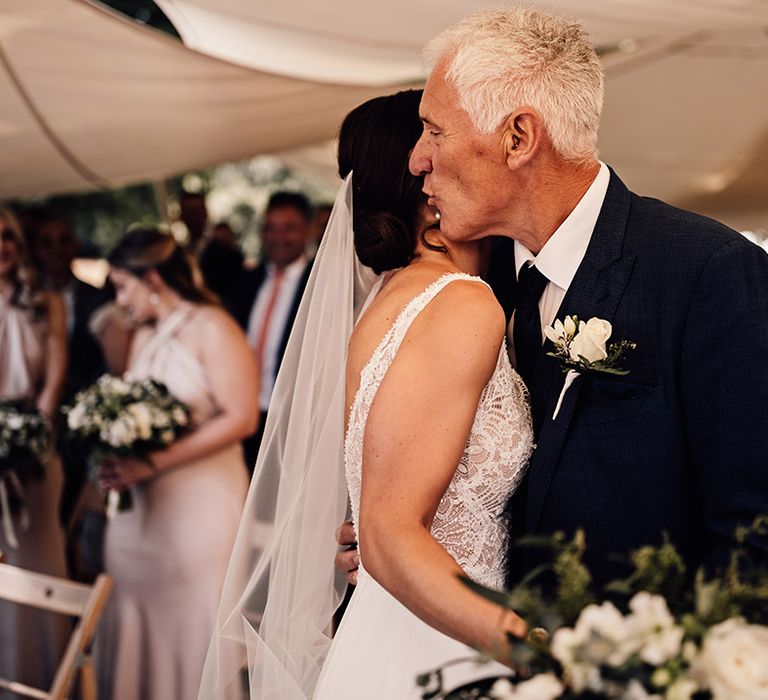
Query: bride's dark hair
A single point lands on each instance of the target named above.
(375, 142)
(145, 249)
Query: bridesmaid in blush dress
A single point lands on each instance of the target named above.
(169, 553)
(32, 366)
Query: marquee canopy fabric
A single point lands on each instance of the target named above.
(89, 99)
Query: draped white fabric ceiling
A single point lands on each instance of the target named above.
(87, 98)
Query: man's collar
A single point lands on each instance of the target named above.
(562, 254)
(290, 271)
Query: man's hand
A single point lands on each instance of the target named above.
(348, 559)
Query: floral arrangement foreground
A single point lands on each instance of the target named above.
(659, 634)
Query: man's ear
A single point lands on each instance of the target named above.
(521, 137)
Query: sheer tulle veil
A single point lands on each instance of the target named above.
(281, 588)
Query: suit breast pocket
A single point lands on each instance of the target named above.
(611, 400)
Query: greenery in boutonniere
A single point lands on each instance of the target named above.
(583, 346)
(652, 636)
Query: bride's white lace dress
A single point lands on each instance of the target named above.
(381, 646)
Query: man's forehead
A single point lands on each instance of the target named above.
(437, 97)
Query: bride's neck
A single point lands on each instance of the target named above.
(467, 258)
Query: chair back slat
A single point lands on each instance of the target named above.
(67, 598)
(81, 637)
(24, 690)
(43, 591)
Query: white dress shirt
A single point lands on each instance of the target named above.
(562, 254)
(291, 277)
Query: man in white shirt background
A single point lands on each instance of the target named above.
(267, 297)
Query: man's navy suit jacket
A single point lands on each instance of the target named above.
(680, 444)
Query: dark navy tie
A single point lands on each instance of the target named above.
(526, 331)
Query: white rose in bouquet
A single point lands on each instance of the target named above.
(122, 433)
(76, 417)
(601, 637)
(161, 419)
(180, 416)
(590, 341)
(542, 687)
(115, 385)
(15, 422)
(733, 662)
(651, 623)
(143, 420)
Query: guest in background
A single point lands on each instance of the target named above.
(33, 357)
(215, 248)
(267, 298)
(322, 214)
(54, 248)
(168, 554)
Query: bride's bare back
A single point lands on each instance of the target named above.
(408, 431)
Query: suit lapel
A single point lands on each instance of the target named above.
(596, 291)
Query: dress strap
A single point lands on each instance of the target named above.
(413, 308)
(166, 330)
(390, 343)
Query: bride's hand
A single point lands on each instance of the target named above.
(347, 560)
(116, 473)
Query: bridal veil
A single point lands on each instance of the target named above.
(281, 588)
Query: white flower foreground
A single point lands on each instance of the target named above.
(660, 634)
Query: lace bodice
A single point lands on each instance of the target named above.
(468, 521)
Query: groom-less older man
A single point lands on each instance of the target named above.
(679, 445)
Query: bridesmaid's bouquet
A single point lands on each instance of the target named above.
(25, 436)
(652, 636)
(116, 417)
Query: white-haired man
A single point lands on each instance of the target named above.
(511, 112)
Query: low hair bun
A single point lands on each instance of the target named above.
(383, 241)
(374, 144)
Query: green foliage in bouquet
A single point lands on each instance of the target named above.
(25, 436)
(658, 634)
(115, 417)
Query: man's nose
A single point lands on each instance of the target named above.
(420, 161)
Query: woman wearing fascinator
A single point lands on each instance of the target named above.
(168, 554)
(395, 407)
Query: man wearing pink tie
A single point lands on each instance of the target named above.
(266, 298)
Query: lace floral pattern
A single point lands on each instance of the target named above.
(468, 521)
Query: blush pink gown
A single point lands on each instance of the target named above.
(168, 555)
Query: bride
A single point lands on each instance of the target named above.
(437, 436)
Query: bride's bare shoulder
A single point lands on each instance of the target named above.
(464, 308)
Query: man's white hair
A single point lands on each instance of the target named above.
(502, 59)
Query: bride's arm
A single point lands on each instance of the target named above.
(55, 356)
(415, 435)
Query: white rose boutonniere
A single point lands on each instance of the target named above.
(583, 347)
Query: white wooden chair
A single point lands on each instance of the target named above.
(66, 598)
